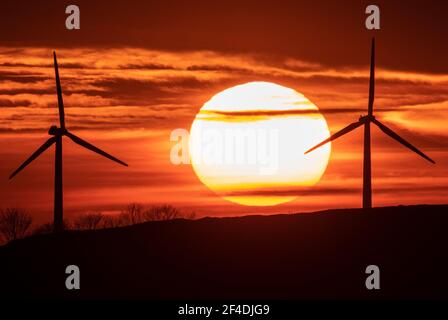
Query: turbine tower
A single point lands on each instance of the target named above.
(366, 121)
(57, 134)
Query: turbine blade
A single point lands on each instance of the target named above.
(37, 153)
(59, 92)
(347, 129)
(395, 136)
(91, 147)
(372, 78)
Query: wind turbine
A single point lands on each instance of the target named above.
(366, 121)
(57, 134)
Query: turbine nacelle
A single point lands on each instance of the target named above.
(368, 118)
(55, 131)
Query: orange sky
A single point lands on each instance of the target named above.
(126, 98)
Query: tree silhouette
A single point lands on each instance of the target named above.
(135, 213)
(110, 221)
(14, 223)
(165, 212)
(43, 229)
(89, 221)
(48, 228)
(132, 214)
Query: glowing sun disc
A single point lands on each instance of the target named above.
(247, 144)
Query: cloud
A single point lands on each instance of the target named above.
(7, 103)
(130, 88)
(270, 27)
(127, 101)
(295, 191)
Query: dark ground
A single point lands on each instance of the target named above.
(302, 256)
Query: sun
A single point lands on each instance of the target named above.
(247, 144)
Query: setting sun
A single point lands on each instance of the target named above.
(247, 143)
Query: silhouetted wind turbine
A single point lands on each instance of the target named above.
(57, 134)
(366, 120)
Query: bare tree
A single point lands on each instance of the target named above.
(111, 221)
(89, 221)
(43, 229)
(132, 214)
(190, 215)
(165, 212)
(162, 212)
(49, 227)
(14, 223)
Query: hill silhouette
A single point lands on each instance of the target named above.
(300, 256)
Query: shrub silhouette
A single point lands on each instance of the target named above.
(136, 213)
(165, 212)
(110, 221)
(43, 229)
(14, 223)
(89, 221)
(48, 228)
(131, 214)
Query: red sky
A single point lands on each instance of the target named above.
(135, 71)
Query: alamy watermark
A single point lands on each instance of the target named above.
(238, 146)
(73, 21)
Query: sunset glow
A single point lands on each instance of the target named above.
(127, 86)
(251, 138)
(264, 154)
